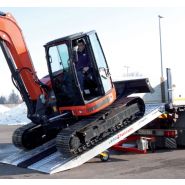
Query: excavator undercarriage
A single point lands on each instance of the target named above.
(91, 131)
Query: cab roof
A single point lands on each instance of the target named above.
(67, 38)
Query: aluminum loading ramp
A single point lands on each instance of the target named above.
(47, 159)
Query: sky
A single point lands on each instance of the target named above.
(129, 37)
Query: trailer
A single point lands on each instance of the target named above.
(169, 128)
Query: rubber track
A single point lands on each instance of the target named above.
(17, 138)
(64, 137)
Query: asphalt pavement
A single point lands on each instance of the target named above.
(163, 164)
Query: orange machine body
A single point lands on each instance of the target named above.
(94, 106)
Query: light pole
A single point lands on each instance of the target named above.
(162, 76)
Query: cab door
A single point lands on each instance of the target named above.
(100, 61)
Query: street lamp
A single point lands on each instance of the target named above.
(162, 76)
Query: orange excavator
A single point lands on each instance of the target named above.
(57, 106)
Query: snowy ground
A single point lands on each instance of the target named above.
(3, 109)
(13, 116)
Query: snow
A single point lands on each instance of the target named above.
(3, 109)
(14, 116)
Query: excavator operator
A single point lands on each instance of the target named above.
(83, 63)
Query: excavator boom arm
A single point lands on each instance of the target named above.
(14, 47)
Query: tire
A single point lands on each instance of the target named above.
(104, 156)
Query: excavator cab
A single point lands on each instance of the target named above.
(62, 56)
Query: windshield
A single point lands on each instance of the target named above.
(59, 58)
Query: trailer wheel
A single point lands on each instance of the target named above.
(104, 156)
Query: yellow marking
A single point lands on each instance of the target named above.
(103, 154)
(179, 99)
(163, 116)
